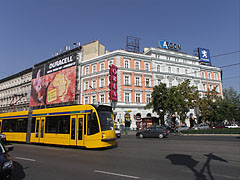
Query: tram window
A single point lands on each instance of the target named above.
(58, 124)
(33, 125)
(105, 120)
(15, 125)
(92, 124)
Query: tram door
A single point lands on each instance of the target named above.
(76, 133)
(39, 130)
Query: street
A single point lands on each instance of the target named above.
(175, 157)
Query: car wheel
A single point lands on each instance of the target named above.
(160, 136)
(141, 135)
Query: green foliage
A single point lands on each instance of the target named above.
(228, 107)
(178, 99)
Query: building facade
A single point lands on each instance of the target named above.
(137, 74)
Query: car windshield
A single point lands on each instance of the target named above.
(106, 120)
(2, 150)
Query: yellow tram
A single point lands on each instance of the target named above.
(88, 126)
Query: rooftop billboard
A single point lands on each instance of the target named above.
(204, 55)
(54, 82)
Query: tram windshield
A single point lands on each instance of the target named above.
(106, 120)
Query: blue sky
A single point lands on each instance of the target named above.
(33, 30)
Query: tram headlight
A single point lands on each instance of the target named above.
(103, 135)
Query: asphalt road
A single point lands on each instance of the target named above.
(175, 157)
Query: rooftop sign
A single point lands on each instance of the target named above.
(204, 55)
(169, 45)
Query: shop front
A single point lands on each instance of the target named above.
(149, 121)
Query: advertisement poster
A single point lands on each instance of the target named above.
(54, 82)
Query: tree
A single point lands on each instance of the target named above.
(187, 98)
(159, 101)
(167, 101)
(228, 107)
(207, 105)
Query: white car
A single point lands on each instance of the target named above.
(201, 126)
(117, 132)
(233, 126)
(182, 128)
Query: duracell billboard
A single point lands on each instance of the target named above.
(54, 82)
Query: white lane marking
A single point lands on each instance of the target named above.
(26, 159)
(116, 174)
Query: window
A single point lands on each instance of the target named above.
(202, 74)
(186, 71)
(148, 98)
(215, 76)
(126, 64)
(15, 125)
(209, 75)
(168, 58)
(210, 87)
(195, 73)
(93, 127)
(178, 70)
(94, 99)
(94, 68)
(204, 87)
(102, 67)
(126, 98)
(147, 66)
(137, 81)
(158, 68)
(102, 82)
(137, 67)
(159, 81)
(87, 70)
(86, 85)
(57, 124)
(138, 98)
(110, 62)
(94, 84)
(126, 81)
(147, 82)
(106, 120)
(169, 69)
(86, 100)
(102, 98)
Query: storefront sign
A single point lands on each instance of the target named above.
(169, 45)
(113, 83)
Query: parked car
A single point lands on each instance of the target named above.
(153, 131)
(233, 126)
(218, 126)
(201, 126)
(2, 138)
(182, 128)
(6, 162)
(117, 132)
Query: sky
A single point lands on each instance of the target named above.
(34, 30)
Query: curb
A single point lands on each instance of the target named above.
(210, 134)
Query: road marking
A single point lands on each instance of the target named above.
(26, 159)
(116, 174)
